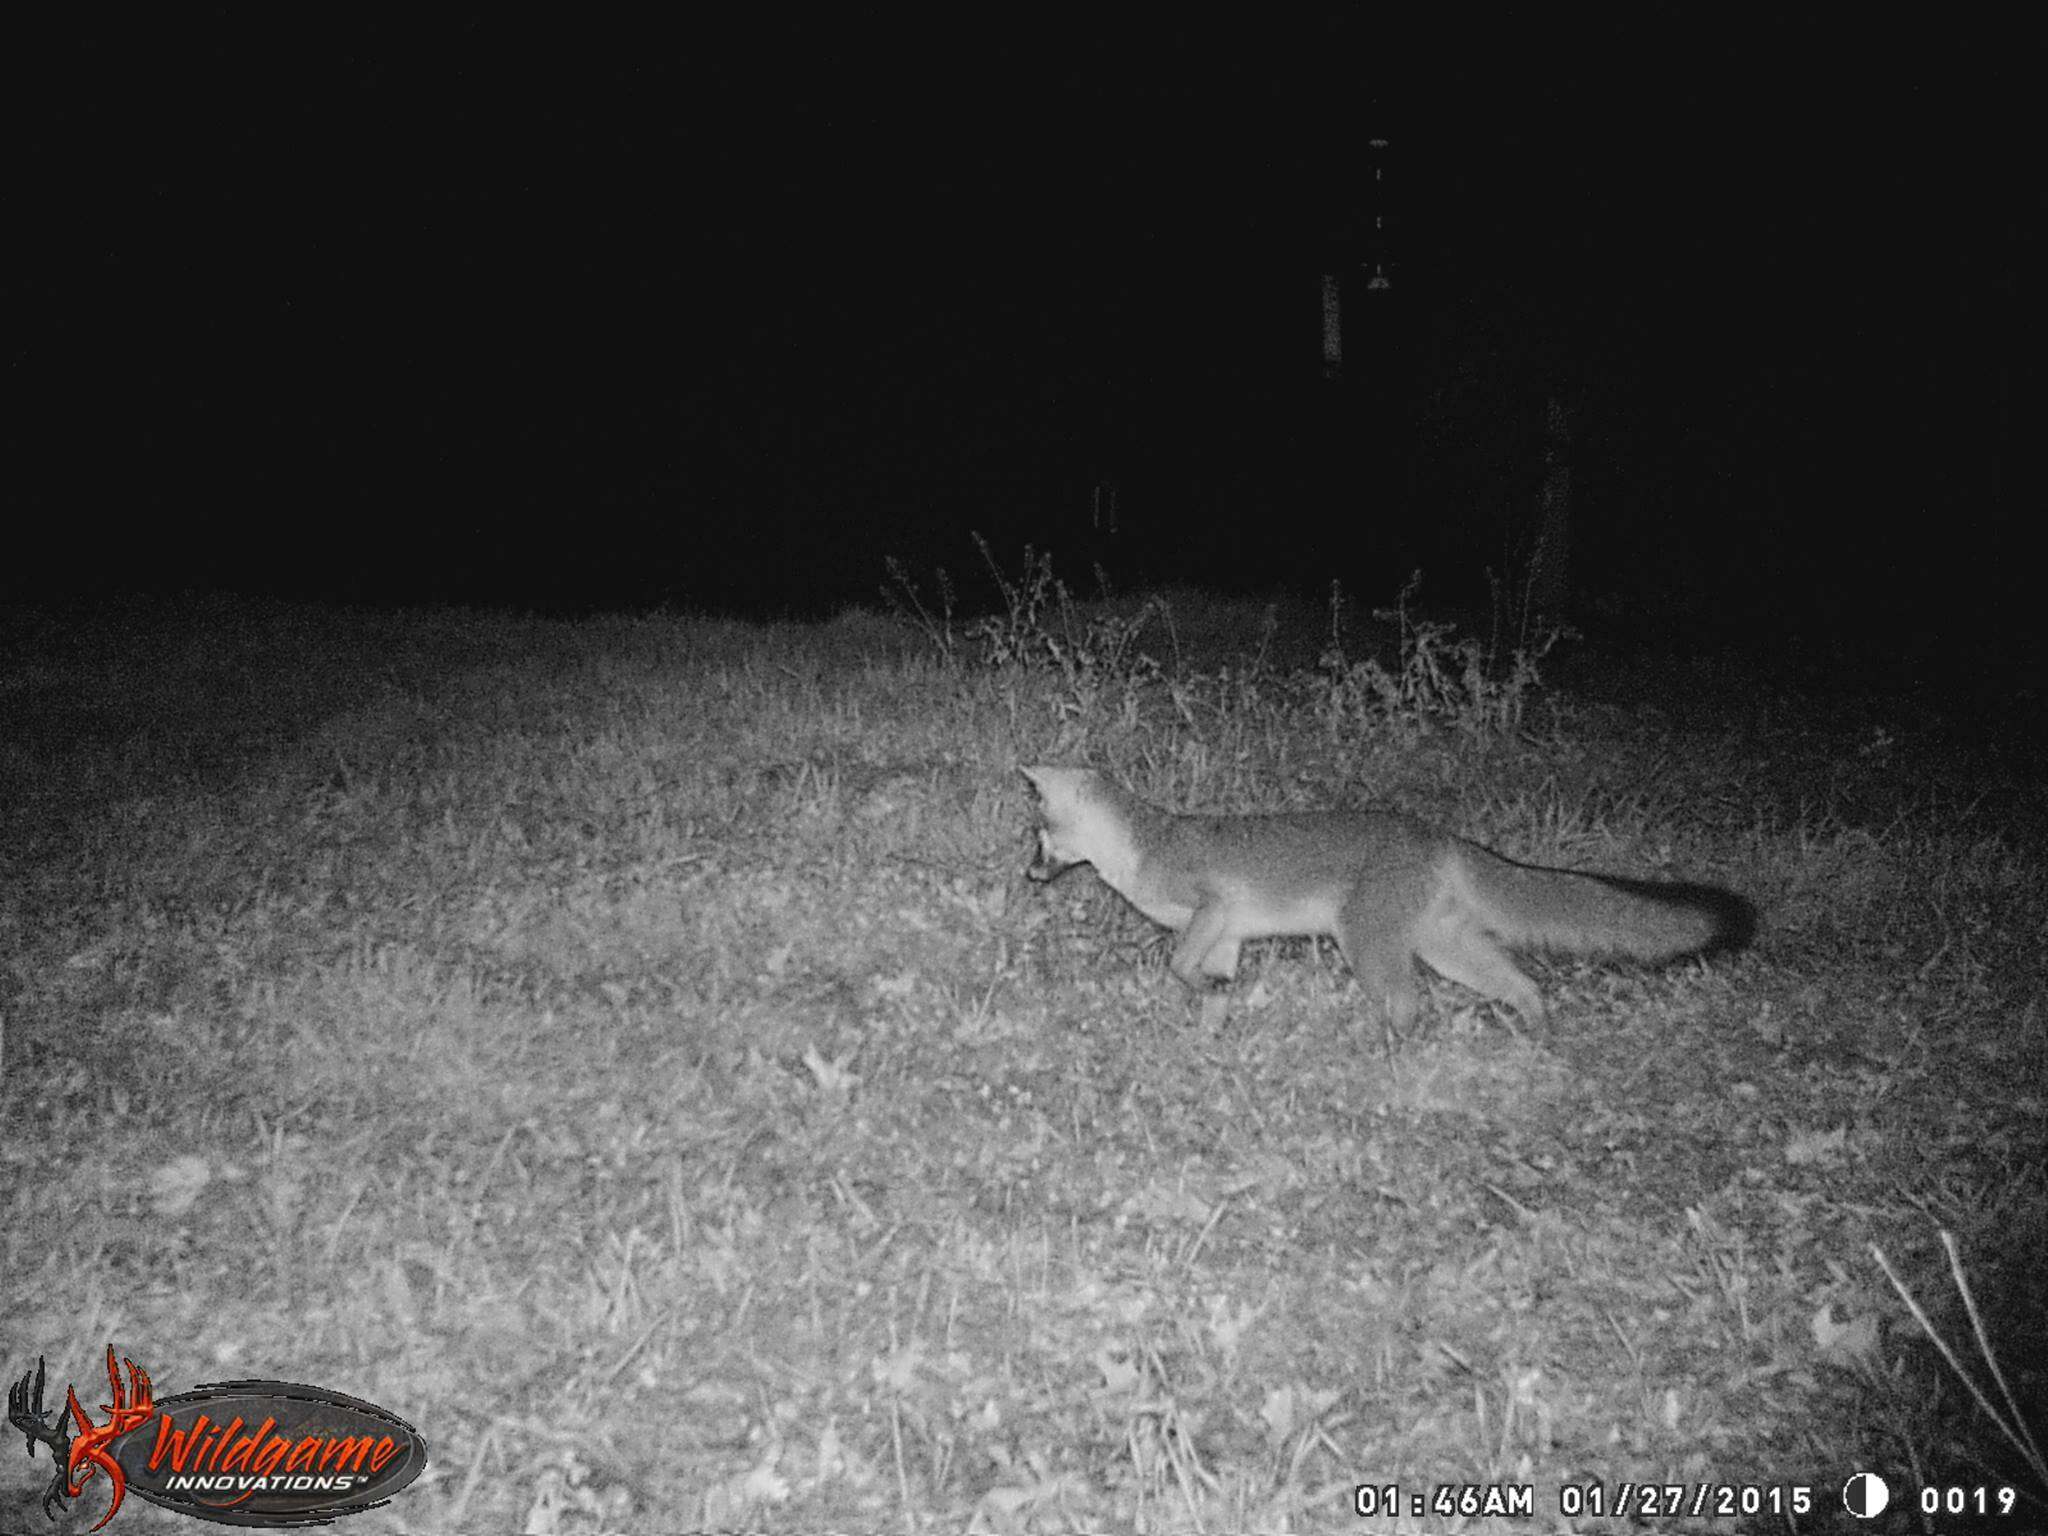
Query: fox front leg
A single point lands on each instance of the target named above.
(1205, 961)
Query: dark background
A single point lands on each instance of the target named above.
(555, 314)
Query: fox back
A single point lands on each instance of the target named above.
(1389, 889)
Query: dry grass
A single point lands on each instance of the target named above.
(629, 1052)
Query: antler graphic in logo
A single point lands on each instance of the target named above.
(29, 1419)
(77, 1455)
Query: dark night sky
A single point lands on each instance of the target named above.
(481, 308)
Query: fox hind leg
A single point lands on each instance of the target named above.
(1385, 968)
(1461, 951)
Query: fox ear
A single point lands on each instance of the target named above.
(1061, 786)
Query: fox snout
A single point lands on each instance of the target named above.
(1045, 864)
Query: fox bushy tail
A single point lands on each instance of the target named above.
(1582, 914)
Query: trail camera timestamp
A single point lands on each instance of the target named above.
(1696, 1501)
(1443, 1501)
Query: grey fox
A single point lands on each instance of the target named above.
(1387, 887)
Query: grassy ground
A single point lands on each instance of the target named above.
(629, 1051)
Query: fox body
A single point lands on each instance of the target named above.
(1388, 888)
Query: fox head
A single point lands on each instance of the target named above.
(1078, 826)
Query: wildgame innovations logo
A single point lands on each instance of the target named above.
(266, 1453)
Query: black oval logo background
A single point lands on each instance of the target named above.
(300, 1411)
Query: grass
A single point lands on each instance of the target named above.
(629, 1051)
